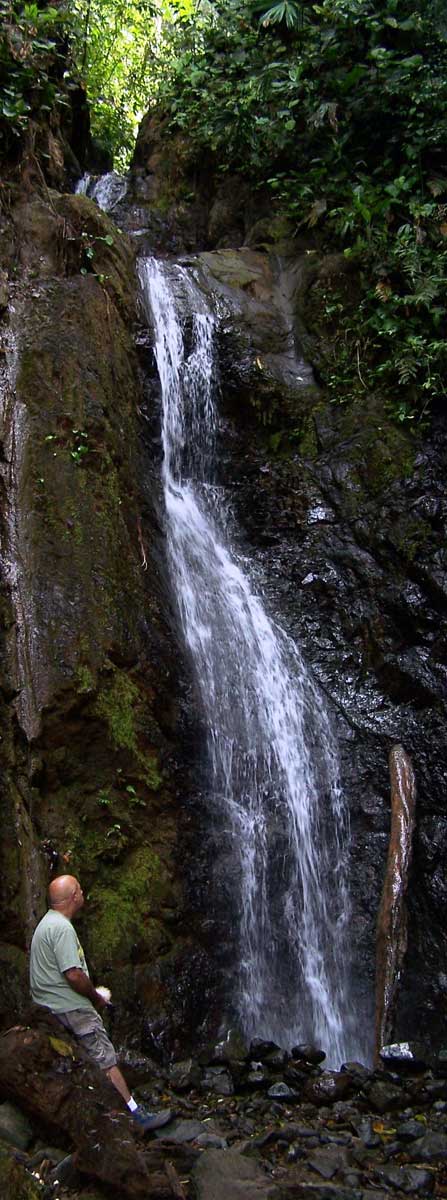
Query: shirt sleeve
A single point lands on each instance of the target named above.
(66, 949)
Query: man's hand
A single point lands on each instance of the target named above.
(81, 984)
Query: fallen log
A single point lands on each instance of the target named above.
(392, 919)
(43, 1071)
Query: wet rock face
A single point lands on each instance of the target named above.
(343, 513)
(94, 723)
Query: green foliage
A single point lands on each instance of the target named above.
(341, 110)
(112, 49)
(30, 64)
(121, 911)
(119, 705)
(116, 706)
(285, 11)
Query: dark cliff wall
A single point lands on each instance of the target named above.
(345, 513)
(342, 511)
(95, 734)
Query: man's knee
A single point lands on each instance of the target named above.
(93, 1037)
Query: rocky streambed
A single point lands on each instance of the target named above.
(247, 1122)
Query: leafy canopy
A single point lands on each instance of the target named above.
(338, 108)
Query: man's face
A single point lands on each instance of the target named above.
(78, 897)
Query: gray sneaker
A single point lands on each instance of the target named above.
(146, 1121)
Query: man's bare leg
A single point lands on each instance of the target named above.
(119, 1082)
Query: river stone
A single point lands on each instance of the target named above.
(329, 1087)
(405, 1055)
(14, 1126)
(328, 1161)
(431, 1147)
(260, 1049)
(181, 1131)
(356, 1069)
(408, 1131)
(406, 1179)
(65, 1174)
(257, 1078)
(216, 1079)
(184, 1075)
(302, 1190)
(276, 1058)
(208, 1140)
(442, 1060)
(366, 1133)
(418, 1181)
(281, 1091)
(308, 1053)
(221, 1174)
(436, 1089)
(231, 1049)
(384, 1096)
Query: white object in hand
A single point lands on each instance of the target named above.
(105, 993)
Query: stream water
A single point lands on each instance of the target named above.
(273, 779)
(107, 190)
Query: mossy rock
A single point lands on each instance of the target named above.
(123, 908)
(14, 983)
(122, 707)
(15, 1182)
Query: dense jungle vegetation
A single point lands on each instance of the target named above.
(339, 109)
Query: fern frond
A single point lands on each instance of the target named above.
(286, 11)
(407, 369)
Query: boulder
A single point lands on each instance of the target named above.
(281, 1091)
(181, 1131)
(406, 1056)
(14, 1126)
(218, 1080)
(384, 1096)
(409, 1180)
(432, 1147)
(410, 1131)
(329, 1087)
(184, 1075)
(221, 1174)
(308, 1053)
(231, 1048)
(48, 1076)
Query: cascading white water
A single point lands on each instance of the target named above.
(107, 190)
(273, 763)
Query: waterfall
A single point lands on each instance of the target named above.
(107, 190)
(273, 780)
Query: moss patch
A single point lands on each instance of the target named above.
(116, 707)
(122, 908)
(85, 679)
(119, 705)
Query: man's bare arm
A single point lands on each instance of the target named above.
(81, 984)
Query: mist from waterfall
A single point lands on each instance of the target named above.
(273, 784)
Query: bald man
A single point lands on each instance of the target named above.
(60, 982)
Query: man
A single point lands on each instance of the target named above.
(60, 981)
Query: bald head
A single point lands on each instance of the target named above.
(65, 894)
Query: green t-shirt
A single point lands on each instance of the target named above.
(55, 948)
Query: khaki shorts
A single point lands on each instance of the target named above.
(89, 1029)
